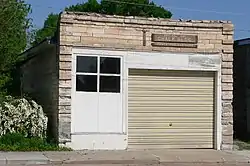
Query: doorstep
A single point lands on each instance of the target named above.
(142, 157)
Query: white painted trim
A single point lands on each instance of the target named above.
(218, 111)
(73, 90)
(123, 91)
(122, 53)
(89, 74)
(128, 63)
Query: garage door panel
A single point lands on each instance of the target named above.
(170, 90)
(171, 115)
(171, 87)
(169, 73)
(170, 95)
(174, 125)
(173, 130)
(171, 106)
(170, 109)
(174, 145)
(174, 141)
(182, 136)
(174, 83)
(173, 102)
(171, 135)
(172, 99)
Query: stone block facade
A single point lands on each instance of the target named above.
(135, 33)
(47, 76)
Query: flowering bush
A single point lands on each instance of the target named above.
(22, 116)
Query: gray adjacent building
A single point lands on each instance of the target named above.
(242, 89)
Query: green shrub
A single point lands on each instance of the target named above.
(18, 142)
(22, 116)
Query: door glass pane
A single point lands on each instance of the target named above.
(86, 83)
(110, 65)
(87, 64)
(110, 84)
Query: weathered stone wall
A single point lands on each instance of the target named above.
(135, 33)
(40, 81)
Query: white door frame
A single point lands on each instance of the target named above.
(98, 74)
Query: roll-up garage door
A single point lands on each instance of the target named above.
(170, 109)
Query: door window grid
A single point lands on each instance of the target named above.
(116, 88)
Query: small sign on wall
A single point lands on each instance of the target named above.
(174, 40)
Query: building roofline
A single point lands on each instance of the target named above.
(33, 51)
(87, 14)
(245, 41)
(242, 39)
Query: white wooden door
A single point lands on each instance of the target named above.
(97, 100)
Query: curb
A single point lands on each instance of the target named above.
(27, 162)
(122, 162)
(95, 162)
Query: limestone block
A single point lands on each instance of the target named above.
(207, 36)
(227, 86)
(227, 47)
(227, 130)
(64, 101)
(79, 29)
(227, 65)
(65, 65)
(215, 41)
(65, 50)
(65, 92)
(227, 78)
(227, 95)
(228, 27)
(64, 74)
(64, 109)
(65, 57)
(228, 51)
(227, 57)
(227, 139)
(65, 83)
(69, 39)
(218, 46)
(205, 41)
(227, 32)
(205, 46)
(226, 146)
(64, 126)
(226, 71)
(228, 41)
(227, 107)
(227, 120)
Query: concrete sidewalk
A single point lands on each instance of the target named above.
(147, 157)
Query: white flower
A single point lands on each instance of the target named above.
(20, 115)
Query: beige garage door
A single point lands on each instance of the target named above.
(170, 109)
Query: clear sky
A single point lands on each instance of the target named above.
(236, 11)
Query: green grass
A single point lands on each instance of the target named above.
(17, 142)
(242, 145)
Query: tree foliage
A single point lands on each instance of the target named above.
(128, 8)
(13, 40)
(48, 29)
(143, 8)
